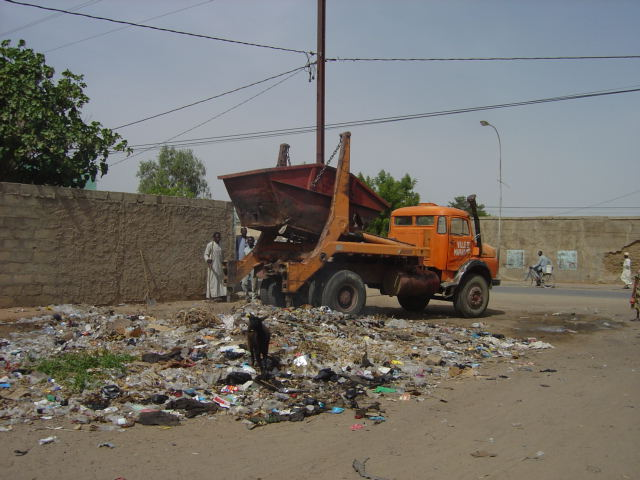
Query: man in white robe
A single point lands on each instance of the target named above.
(625, 276)
(215, 273)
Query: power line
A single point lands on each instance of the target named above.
(48, 17)
(160, 29)
(209, 98)
(481, 59)
(210, 119)
(380, 120)
(563, 208)
(601, 203)
(122, 28)
(235, 106)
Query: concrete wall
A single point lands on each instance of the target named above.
(599, 243)
(61, 245)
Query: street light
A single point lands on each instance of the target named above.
(484, 123)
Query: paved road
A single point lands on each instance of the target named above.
(606, 291)
(594, 299)
(585, 298)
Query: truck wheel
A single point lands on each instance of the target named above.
(271, 292)
(315, 292)
(472, 297)
(344, 292)
(412, 303)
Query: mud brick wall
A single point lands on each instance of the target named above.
(62, 245)
(599, 243)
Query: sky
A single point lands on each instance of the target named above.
(564, 158)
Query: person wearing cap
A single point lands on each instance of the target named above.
(625, 276)
(539, 267)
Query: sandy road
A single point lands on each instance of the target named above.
(581, 421)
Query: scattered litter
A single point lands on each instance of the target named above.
(47, 440)
(380, 389)
(20, 453)
(106, 444)
(197, 363)
(158, 417)
(360, 468)
(538, 456)
(357, 426)
(483, 453)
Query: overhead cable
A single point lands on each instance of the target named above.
(209, 119)
(380, 120)
(600, 203)
(481, 59)
(562, 208)
(48, 17)
(209, 98)
(169, 30)
(75, 42)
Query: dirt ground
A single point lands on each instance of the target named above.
(579, 419)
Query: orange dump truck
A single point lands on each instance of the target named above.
(312, 249)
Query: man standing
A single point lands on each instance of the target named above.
(215, 274)
(625, 276)
(541, 266)
(248, 285)
(241, 243)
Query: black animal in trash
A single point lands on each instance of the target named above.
(258, 337)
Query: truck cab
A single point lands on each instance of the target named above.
(450, 236)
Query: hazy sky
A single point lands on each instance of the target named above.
(555, 156)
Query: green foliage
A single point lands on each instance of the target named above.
(44, 140)
(399, 193)
(462, 204)
(82, 370)
(177, 173)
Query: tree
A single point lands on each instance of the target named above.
(44, 139)
(461, 203)
(399, 193)
(177, 173)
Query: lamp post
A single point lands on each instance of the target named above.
(484, 123)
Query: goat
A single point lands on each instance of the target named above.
(258, 337)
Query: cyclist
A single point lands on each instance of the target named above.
(539, 267)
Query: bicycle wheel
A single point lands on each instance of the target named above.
(548, 280)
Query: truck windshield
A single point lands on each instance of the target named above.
(403, 221)
(459, 226)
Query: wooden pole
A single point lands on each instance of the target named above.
(320, 82)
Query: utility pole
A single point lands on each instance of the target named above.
(320, 83)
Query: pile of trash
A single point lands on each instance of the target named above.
(199, 362)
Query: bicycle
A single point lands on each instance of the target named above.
(545, 280)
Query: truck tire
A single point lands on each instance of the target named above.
(472, 297)
(315, 291)
(344, 292)
(413, 303)
(271, 292)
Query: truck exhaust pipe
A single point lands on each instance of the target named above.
(476, 221)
